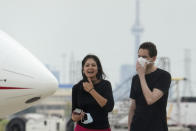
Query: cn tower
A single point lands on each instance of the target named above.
(137, 29)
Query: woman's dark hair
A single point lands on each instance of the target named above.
(151, 47)
(100, 73)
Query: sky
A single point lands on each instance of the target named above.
(52, 28)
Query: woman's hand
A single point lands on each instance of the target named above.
(88, 86)
(77, 117)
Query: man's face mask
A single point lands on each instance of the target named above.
(87, 118)
(142, 61)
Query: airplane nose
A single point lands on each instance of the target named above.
(24, 71)
(24, 80)
(48, 84)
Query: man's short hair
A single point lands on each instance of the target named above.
(151, 47)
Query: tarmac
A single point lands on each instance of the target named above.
(114, 129)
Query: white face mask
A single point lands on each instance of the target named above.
(142, 61)
(87, 118)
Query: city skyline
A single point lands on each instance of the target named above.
(50, 29)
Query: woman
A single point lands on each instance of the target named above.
(93, 95)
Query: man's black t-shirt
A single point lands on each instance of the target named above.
(150, 117)
(83, 100)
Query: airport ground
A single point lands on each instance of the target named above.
(170, 129)
(113, 129)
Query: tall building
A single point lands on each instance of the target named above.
(137, 28)
(74, 70)
(122, 91)
(54, 71)
(126, 71)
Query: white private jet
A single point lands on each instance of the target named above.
(24, 80)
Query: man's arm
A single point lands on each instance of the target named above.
(150, 96)
(131, 112)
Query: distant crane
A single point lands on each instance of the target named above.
(187, 73)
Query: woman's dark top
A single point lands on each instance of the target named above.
(83, 100)
(150, 117)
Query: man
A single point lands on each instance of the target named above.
(149, 93)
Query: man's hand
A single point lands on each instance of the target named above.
(140, 69)
(88, 86)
